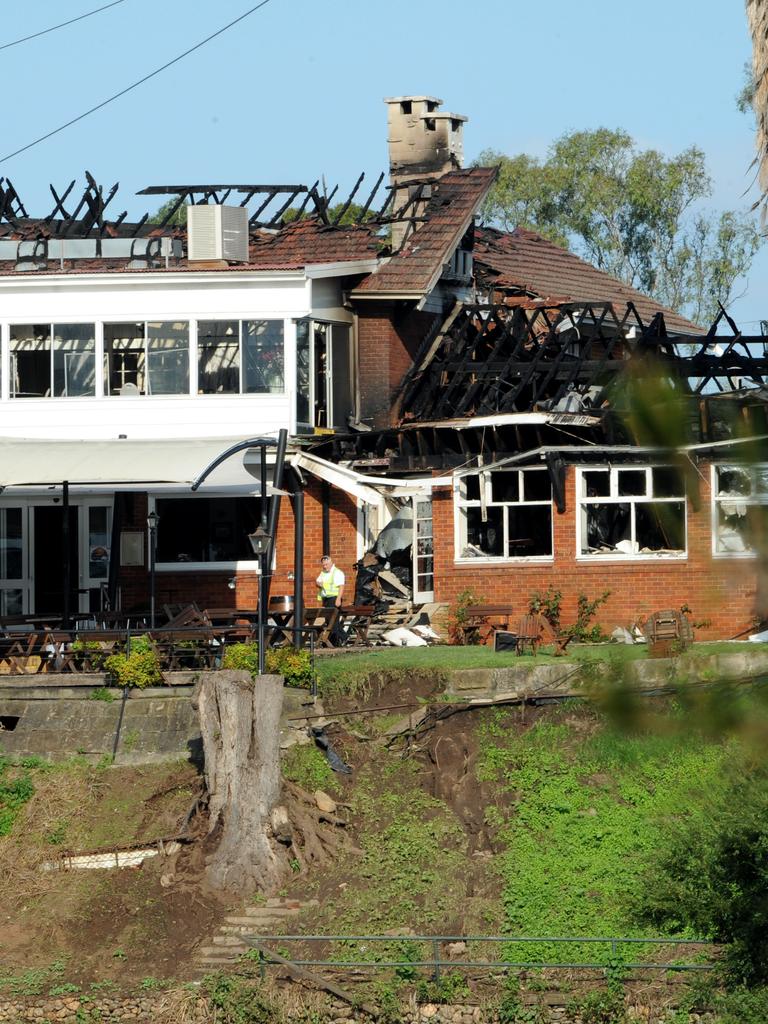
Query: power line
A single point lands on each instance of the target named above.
(63, 24)
(135, 85)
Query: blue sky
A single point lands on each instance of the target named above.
(295, 90)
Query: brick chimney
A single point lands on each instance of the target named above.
(424, 142)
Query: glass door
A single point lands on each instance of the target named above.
(15, 584)
(423, 551)
(95, 530)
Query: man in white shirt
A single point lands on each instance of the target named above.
(330, 585)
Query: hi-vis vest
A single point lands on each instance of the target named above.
(331, 582)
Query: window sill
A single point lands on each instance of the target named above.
(735, 554)
(230, 567)
(619, 557)
(512, 560)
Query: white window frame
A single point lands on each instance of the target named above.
(615, 499)
(755, 497)
(240, 321)
(52, 325)
(460, 503)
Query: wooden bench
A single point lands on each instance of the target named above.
(357, 618)
(482, 622)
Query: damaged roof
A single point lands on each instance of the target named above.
(525, 262)
(415, 270)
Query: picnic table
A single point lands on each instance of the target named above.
(482, 622)
(356, 619)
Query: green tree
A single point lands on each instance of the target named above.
(634, 213)
(179, 219)
(712, 878)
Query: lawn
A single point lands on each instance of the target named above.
(342, 672)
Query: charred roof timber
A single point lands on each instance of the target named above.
(79, 216)
(493, 359)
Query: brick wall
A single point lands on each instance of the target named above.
(387, 342)
(210, 588)
(721, 590)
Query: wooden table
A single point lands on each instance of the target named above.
(321, 621)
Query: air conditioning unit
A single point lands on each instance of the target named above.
(217, 233)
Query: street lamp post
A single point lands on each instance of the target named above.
(260, 542)
(152, 520)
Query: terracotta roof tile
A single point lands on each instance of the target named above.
(416, 268)
(523, 260)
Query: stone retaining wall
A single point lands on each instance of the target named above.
(60, 719)
(147, 1009)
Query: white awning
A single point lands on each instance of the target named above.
(117, 464)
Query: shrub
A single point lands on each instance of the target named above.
(712, 876)
(138, 668)
(548, 605)
(585, 612)
(89, 654)
(295, 666)
(458, 616)
(239, 1001)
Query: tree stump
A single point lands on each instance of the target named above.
(240, 726)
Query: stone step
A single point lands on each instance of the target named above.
(261, 914)
(228, 940)
(226, 954)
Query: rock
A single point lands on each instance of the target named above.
(325, 803)
(166, 880)
(428, 1010)
(456, 949)
(281, 826)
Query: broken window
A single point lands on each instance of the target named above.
(637, 510)
(505, 513)
(206, 529)
(147, 358)
(740, 498)
(53, 360)
(325, 375)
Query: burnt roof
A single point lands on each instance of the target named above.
(415, 269)
(524, 261)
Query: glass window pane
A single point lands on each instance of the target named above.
(124, 359)
(321, 374)
(484, 538)
(98, 542)
(263, 357)
(218, 357)
(604, 527)
(732, 529)
(537, 485)
(206, 529)
(733, 480)
(505, 485)
(632, 483)
(596, 483)
(667, 482)
(30, 360)
(341, 376)
(11, 540)
(74, 360)
(530, 530)
(168, 358)
(302, 372)
(660, 525)
(472, 487)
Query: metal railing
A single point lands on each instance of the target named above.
(613, 961)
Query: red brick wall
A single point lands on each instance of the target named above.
(387, 342)
(210, 588)
(721, 590)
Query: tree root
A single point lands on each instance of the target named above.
(318, 836)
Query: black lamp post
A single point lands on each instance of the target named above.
(260, 542)
(152, 520)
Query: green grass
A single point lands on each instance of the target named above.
(590, 806)
(16, 787)
(345, 673)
